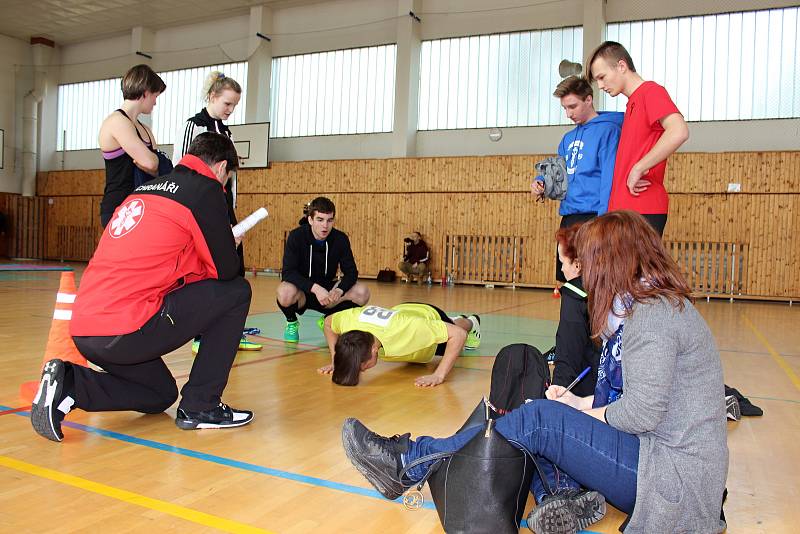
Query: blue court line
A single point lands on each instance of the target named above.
(303, 479)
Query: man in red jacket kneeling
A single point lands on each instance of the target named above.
(165, 270)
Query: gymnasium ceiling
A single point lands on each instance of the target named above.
(69, 21)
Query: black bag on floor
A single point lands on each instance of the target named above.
(483, 487)
(386, 275)
(519, 373)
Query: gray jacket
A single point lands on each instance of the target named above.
(674, 400)
(553, 172)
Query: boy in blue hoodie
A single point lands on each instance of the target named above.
(589, 150)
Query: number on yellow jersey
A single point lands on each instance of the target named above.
(376, 315)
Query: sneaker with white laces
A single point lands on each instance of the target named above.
(52, 402)
(378, 458)
(474, 335)
(223, 416)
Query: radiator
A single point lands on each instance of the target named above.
(711, 268)
(483, 258)
(75, 242)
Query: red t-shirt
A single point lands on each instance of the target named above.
(641, 130)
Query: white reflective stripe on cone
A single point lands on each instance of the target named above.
(64, 315)
(65, 298)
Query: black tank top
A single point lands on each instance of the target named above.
(119, 176)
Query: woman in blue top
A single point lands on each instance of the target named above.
(659, 450)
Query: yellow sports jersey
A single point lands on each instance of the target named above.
(407, 332)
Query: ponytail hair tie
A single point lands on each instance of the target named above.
(220, 76)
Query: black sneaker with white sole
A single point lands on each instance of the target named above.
(52, 401)
(567, 512)
(376, 457)
(223, 416)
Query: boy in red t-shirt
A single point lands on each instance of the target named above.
(652, 130)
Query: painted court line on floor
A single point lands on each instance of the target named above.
(303, 479)
(228, 462)
(201, 518)
(259, 360)
(15, 410)
(782, 363)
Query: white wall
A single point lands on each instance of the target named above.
(15, 81)
(353, 23)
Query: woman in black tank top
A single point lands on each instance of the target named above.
(125, 142)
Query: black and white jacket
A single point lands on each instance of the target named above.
(203, 122)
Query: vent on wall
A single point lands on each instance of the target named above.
(712, 268)
(483, 258)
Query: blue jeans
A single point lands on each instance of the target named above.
(596, 455)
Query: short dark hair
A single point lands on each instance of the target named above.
(351, 350)
(574, 85)
(612, 52)
(139, 79)
(321, 205)
(212, 147)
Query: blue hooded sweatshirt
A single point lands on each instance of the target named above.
(590, 150)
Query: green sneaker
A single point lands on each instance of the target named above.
(246, 344)
(474, 335)
(321, 323)
(291, 333)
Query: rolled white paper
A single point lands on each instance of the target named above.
(250, 221)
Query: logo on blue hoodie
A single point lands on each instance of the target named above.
(590, 150)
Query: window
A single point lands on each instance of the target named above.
(329, 93)
(732, 66)
(82, 107)
(81, 110)
(495, 80)
(183, 98)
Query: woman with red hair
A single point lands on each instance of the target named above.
(652, 438)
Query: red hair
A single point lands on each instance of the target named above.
(566, 238)
(621, 254)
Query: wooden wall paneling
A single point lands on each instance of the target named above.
(381, 200)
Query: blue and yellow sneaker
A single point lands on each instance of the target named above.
(474, 335)
(246, 344)
(291, 333)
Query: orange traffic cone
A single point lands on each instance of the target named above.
(59, 342)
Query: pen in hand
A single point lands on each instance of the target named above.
(578, 379)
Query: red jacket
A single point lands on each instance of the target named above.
(169, 232)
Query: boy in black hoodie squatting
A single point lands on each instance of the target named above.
(313, 254)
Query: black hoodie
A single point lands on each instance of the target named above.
(306, 261)
(575, 350)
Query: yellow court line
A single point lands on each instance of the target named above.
(782, 363)
(201, 518)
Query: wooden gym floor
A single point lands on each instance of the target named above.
(287, 473)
